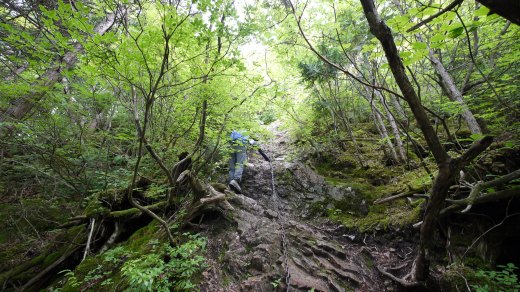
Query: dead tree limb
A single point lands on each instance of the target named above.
(410, 193)
(492, 197)
(121, 214)
(477, 189)
(394, 197)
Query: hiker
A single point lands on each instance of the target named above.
(239, 145)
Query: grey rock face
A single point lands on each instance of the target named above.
(248, 254)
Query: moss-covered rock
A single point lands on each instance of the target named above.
(379, 217)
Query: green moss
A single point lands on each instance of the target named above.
(226, 279)
(222, 252)
(156, 192)
(139, 241)
(51, 258)
(107, 265)
(101, 203)
(63, 243)
(369, 184)
(10, 253)
(95, 209)
(459, 275)
(476, 263)
(114, 196)
(359, 185)
(369, 261)
(20, 269)
(455, 276)
(378, 218)
(4, 236)
(73, 235)
(135, 212)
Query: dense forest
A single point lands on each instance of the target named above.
(389, 135)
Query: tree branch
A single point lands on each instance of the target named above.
(427, 20)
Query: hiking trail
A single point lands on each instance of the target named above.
(245, 252)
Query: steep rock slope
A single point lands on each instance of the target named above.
(273, 237)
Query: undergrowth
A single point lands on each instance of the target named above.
(153, 266)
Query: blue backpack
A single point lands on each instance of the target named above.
(236, 136)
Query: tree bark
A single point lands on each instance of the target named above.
(384, 133)
(448, 167)
(395, 129)
(378, 121)
(382, 32)
(454, 93)
(508, 9)
(346, 123)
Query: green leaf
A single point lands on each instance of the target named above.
(438, 37)
(419, 46)
(476, 137)
(456, 32)
(430, 11)
(482, 11)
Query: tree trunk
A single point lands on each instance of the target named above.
(471, 64)
(510, 10)
(384, 133)
(395, 129)
(378, 121)
(454, 94)
(447, 166)
(337, 109)
(346, 123)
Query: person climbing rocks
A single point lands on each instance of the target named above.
(239, 144)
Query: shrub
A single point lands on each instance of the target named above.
(501, 280)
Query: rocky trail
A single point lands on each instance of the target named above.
(274, 238)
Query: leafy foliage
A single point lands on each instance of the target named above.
(185, 72)
(166, 267)
(504, 279)
(161, 268)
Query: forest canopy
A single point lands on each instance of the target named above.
(112, 110)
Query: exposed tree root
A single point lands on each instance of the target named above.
(403, 282)
(205, 197)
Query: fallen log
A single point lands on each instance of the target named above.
(417, 191)
(45, 272)
(18, 270)
(68, 243)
